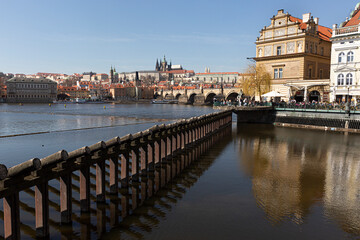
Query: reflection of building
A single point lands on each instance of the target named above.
(342, 190)
(297, 54)
(345, 58)
(292, 170)
(31, 90)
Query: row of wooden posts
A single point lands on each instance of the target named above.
(133, 156)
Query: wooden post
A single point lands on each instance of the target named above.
(163, 149)
(134, 196)
(125, 169)
(85, 189)
(114, 212)
(125, 203)
(66, 198)
(174, 144)
(42, 210)
(144, 160)
(151, 155)
(100, 219)
(144, 189)
(169, 146)
(11, 217)
(157, 151)
(114, 177)
(135, 165)
(100, 181)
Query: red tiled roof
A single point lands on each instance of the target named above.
(354, 20)
(325, 33)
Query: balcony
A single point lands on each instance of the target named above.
(342, 31)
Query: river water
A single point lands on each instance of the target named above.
(259, 182)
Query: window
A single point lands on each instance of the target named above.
(341, 79)
(276, 73)
(311, 48)
(310, 72)
(350, 57)
(278, 51)
(280, 72)
(341, 57)
(322, 51)
(349, 78)
(321, 74)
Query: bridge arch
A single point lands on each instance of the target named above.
(192, 98)
(232, 96)
(169, 96)
(178, 96)
(210, 97)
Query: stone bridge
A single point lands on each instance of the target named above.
(200, 96)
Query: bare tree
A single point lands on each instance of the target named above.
(258, 82)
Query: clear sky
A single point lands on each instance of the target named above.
(67, 36)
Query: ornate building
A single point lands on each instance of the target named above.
(345, 59)
(297, 54)
(31, 90)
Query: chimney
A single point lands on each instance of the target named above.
(281, 11)
(306, 17)
(316, 20)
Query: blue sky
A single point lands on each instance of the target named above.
(67, 36)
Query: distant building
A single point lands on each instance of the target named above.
(74, 92)
(164, 66)
(31, 90)
(143, 75)
(345, 57)
(120, 92)
(87, 76)
(217, 77)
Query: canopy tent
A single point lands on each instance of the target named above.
(273, 94)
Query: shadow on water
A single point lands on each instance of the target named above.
(137, 209)
(154, 210)
(294, 171)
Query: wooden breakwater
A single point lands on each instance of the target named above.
(119, 163)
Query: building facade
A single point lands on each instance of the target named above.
(296, 52)
(345, 59)
(217, 77)
(31, 90)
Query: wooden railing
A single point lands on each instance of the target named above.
(132, 157)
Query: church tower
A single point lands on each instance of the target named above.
(111, 75)
(157, 67)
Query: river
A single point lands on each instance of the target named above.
(259, 182)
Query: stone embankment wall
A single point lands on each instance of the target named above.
(300, 118)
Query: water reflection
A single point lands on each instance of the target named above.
(292, 170)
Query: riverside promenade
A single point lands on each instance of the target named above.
(117, 165)
(320, 119)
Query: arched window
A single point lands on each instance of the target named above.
(349, 78)
(350, 56)
(341, 79)
(341, 57)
